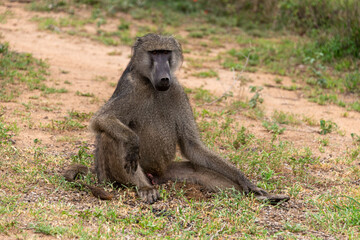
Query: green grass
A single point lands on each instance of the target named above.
(38, 199)
(78, 93)
(5, 133)
(81, 116)
(19, 69)
(337, 214)
(74, 25)
(5, 15)
(51, 90)
(286, 118)
(201, 95)
(52, 24)
(326, 83)
(206, 74)
(273, 128)
(68, 124)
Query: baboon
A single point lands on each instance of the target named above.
(146, 118)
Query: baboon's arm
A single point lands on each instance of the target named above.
(194, 150)
(109, 124)
(122, 134)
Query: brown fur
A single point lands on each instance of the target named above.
(138, 129)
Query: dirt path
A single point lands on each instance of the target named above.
(90, 69)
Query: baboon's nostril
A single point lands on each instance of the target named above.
(164, 80)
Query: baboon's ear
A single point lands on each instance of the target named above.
(138, 41)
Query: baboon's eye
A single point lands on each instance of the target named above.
(156, 52)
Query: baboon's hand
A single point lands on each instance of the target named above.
(149, 195)
(273, 198)
(261, 194)
(249, 187)
(131, 159)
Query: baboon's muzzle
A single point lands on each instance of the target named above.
(161, 76)
(163, 85)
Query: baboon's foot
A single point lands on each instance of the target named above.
(273, 199)
(256, 190)
(72, 171)
(148, 194)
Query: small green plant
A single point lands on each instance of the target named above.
(78, 93)
(297, 227)
(82, 116)
(256, 99)
(242, 138)
(309, 120)
(273, 127)
(324, 141)
(352, 82)
(195, 62)
(238, 104)
(67, 124)
(50, 90)
(278, 80)
(356, 138)
(5, 15)
(124, 25)
(83, 156)
(295, 190)
(267, 174)
(327, 126)
(285, 118)
(203, 95)
(207, 74)
(4, 133)
(47, 229)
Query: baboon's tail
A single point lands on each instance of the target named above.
(74, 170)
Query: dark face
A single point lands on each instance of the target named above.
(160, 74)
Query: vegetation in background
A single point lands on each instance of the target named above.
(334, 24)
(327, 59)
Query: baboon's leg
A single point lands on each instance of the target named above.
(211, 180)
(186, 171)
(109, 165)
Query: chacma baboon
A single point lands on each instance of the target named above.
(147, 116)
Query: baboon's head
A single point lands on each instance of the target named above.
(156, 58)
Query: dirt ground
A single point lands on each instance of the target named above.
(91, 69)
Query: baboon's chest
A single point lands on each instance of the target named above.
(157, 133)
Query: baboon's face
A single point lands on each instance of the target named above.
(160, 75)
(157, 58)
